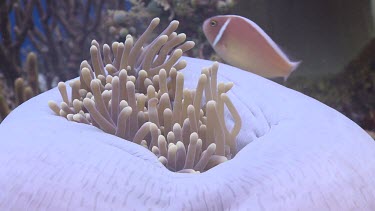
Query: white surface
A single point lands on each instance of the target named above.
(301, 155)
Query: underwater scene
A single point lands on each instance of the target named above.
(43, 42)
(187, 105)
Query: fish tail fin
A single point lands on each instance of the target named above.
(294, 66)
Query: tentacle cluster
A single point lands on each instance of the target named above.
(137, 93)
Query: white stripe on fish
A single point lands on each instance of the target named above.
(221, 32)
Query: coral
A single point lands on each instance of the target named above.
(119, 23)
(65, 25)
(139, 96)
(4, 108)
(32, 73)
(179, 8)
(54, 29)
(24, 89)
(10, 46)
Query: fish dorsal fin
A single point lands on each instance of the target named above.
(221, 32)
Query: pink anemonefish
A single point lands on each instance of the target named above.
(242, 43)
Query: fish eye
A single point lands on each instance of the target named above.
(213, 23)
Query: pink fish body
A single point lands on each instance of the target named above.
(242, 43)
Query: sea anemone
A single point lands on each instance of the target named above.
(139, 96)
(293, 153)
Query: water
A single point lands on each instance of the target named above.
(331, 38)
